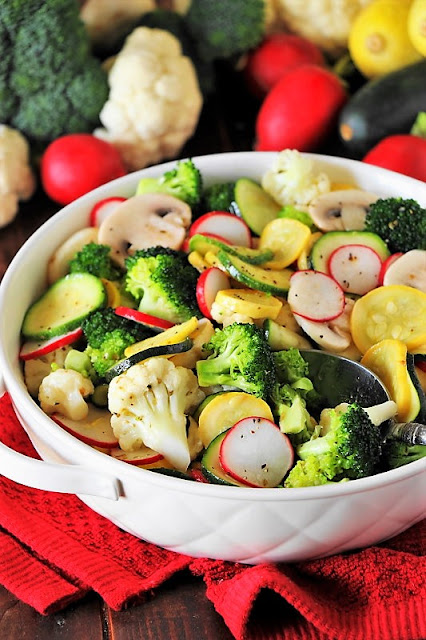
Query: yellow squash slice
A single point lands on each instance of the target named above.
(388, 360)
(255, 304)
(287, 238)
(395, 312)
(175, 334)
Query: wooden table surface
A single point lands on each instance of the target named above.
(179, 609)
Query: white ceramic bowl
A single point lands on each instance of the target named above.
(232, 523)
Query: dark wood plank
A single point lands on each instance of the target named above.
(179, 610)
(82, 621)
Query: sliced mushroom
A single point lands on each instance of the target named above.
(343, 210)
(57, 267)
(408, 269)
(144, 221)
(324, 335)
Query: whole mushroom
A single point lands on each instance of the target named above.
(143, 221)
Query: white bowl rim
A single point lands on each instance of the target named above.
(122, 469)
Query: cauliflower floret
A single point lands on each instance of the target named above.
(294, 180)
(17, 181)
(154, 101)
(150, 402)
(38, 368)
(63, 391)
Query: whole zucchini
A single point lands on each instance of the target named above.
(382, 107)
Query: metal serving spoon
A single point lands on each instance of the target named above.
(339, 379)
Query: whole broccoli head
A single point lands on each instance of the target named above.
(183, 182)
(223, 29)
(400, 222)
(95, 259)
(240, 358)
(108, 335)
(50, 84)
(163, 283)
(219, 197)
(351, 448)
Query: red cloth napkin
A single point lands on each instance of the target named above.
(54, 549)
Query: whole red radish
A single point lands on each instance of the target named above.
(277, 54)
(300, 110)
(403, 153)
(74, 164)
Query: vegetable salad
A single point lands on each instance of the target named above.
(172, 332)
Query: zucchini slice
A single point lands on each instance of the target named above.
(202, 244)
(332, 240)
(267, 280)
(254, 205)
(151, 352)
(64, 306)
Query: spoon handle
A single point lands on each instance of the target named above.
(408, 432)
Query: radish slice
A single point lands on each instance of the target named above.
(315, 296)
(35, 349)
(409, 269)
(256, 453)
(386, 264)
(227, 226)
(355, 267)
(152, 322)
(144, 455)
(209, 283)
(103, 209)
(95, 429)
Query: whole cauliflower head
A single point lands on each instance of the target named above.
(104, 19)
(327, 23)
(63, 391)
(149, 404)
(294, 180)
(17, 181)
(154, 102)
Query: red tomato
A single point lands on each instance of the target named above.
(403, 153)
(277, 54)
(74, 164)
(300, 110)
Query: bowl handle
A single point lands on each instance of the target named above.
(48, 476)
(62, 478)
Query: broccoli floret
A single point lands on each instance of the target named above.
(350, 448)
(95, 259)
(183, 182)
(397, 453)
(219, 197)
(240, 358)
(54, 84)
(401, 223)
(223, 29)
(163, 283)
(290, 365)
(306, 473)
(108, 335)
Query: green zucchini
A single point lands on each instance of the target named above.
(421, 416)
(64, 306)
(202, 244)
(280, 338)
(151, 352)
(268, 280)
(211, 467)
(384, 106)
(254, 205)
(332, 240)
